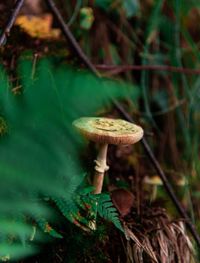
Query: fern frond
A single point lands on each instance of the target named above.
(40, 145)
(47, 228)
(72, 212)
(15, 251)
(107, 211)
(101, 204)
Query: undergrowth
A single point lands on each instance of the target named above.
(40, 150)
(39, 153)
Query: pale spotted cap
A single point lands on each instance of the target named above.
(108, 131)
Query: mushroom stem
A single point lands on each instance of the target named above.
(154, 193)
(100, 168)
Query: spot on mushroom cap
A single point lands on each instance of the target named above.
(108, 131)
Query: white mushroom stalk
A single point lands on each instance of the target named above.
(106, 131)
(100, 168)
(154, 181)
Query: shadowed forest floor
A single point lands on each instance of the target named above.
(148, 57)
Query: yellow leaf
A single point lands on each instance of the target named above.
(38, 26)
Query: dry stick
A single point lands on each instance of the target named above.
(150, 154)
(11, 21)
(69, 36)
(113, 70)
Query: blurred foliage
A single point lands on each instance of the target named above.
(129, 7)
(86, 18)
(39, 150)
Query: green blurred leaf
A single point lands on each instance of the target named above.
(131, 7)
(39, 153)
(104, 4)
(86, 18)
(15, 251)
(161, 99)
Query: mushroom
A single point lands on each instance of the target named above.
(106, 131)
(182, 181)
(154, 181)
(184, 190)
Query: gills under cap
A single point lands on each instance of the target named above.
(108, 131)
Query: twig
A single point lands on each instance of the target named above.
(113, 70)
(11, 21)
(69, 36)
(75, 13)
(147, 148)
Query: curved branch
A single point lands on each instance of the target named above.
(114, 70)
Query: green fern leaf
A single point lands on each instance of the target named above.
(47, 228)
(106, 210)
(39, 145)
(72, 212)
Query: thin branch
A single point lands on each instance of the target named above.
(114, 70)
(75, 13)
(11, 21)
(69, 36)
(147, 148)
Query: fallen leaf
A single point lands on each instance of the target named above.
(38, 26)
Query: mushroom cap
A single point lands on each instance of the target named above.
(182, 181)
(108, 131)
(154, 180)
